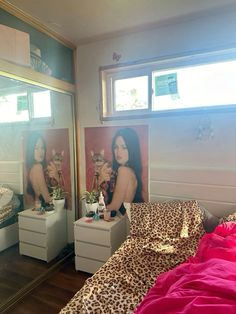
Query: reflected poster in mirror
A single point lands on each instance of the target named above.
(47, 167)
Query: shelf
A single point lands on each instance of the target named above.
(26, 74)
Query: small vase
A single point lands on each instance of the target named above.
(59, 204)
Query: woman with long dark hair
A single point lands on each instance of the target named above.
(127, 171)
(36, 165)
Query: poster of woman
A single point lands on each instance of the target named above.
(47, 165)
(117, 163)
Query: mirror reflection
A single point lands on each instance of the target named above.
(37, 160)
(23, 102)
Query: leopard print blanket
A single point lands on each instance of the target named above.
(121, 283)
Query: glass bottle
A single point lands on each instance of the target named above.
(101, 203)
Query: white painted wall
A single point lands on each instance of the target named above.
(173, 140)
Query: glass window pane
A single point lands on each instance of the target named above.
(41, 104)
(195, 86)
(14, 108)
(131, 93)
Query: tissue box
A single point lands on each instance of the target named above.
(14, 45)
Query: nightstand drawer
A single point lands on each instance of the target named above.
(96, 236)
(39, 239)
(33, 251)
(42, 236)
(37, 225)
(87, 265)
(101, 253)
(96, 241)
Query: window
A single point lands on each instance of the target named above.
(41, 104)
(23, 106)
(189, 83)
(131, 93)
(14, 107)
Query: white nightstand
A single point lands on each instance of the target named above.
(96, 241)
(42, 236)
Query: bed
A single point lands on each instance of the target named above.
(205, 283)
(11, 201)
(162, 236)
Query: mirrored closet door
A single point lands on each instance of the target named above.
(37, 132)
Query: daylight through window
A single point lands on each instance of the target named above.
(25, 106)
(191, 83)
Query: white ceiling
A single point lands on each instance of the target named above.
(82, 21)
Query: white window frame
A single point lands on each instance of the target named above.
(109, 74)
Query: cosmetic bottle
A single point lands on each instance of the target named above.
(101, 203)
(107, 214)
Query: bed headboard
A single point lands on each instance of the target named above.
(11, 174)
(214, 188)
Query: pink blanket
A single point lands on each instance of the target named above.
(206, 283)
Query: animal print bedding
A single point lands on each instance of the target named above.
(120, 284)
(9, 205)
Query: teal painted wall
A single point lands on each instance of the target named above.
(58, 57)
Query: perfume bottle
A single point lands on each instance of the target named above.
(101, 203)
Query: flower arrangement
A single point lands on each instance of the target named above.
(58, 193)
(90, 197)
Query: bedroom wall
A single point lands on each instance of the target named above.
(184, 148)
